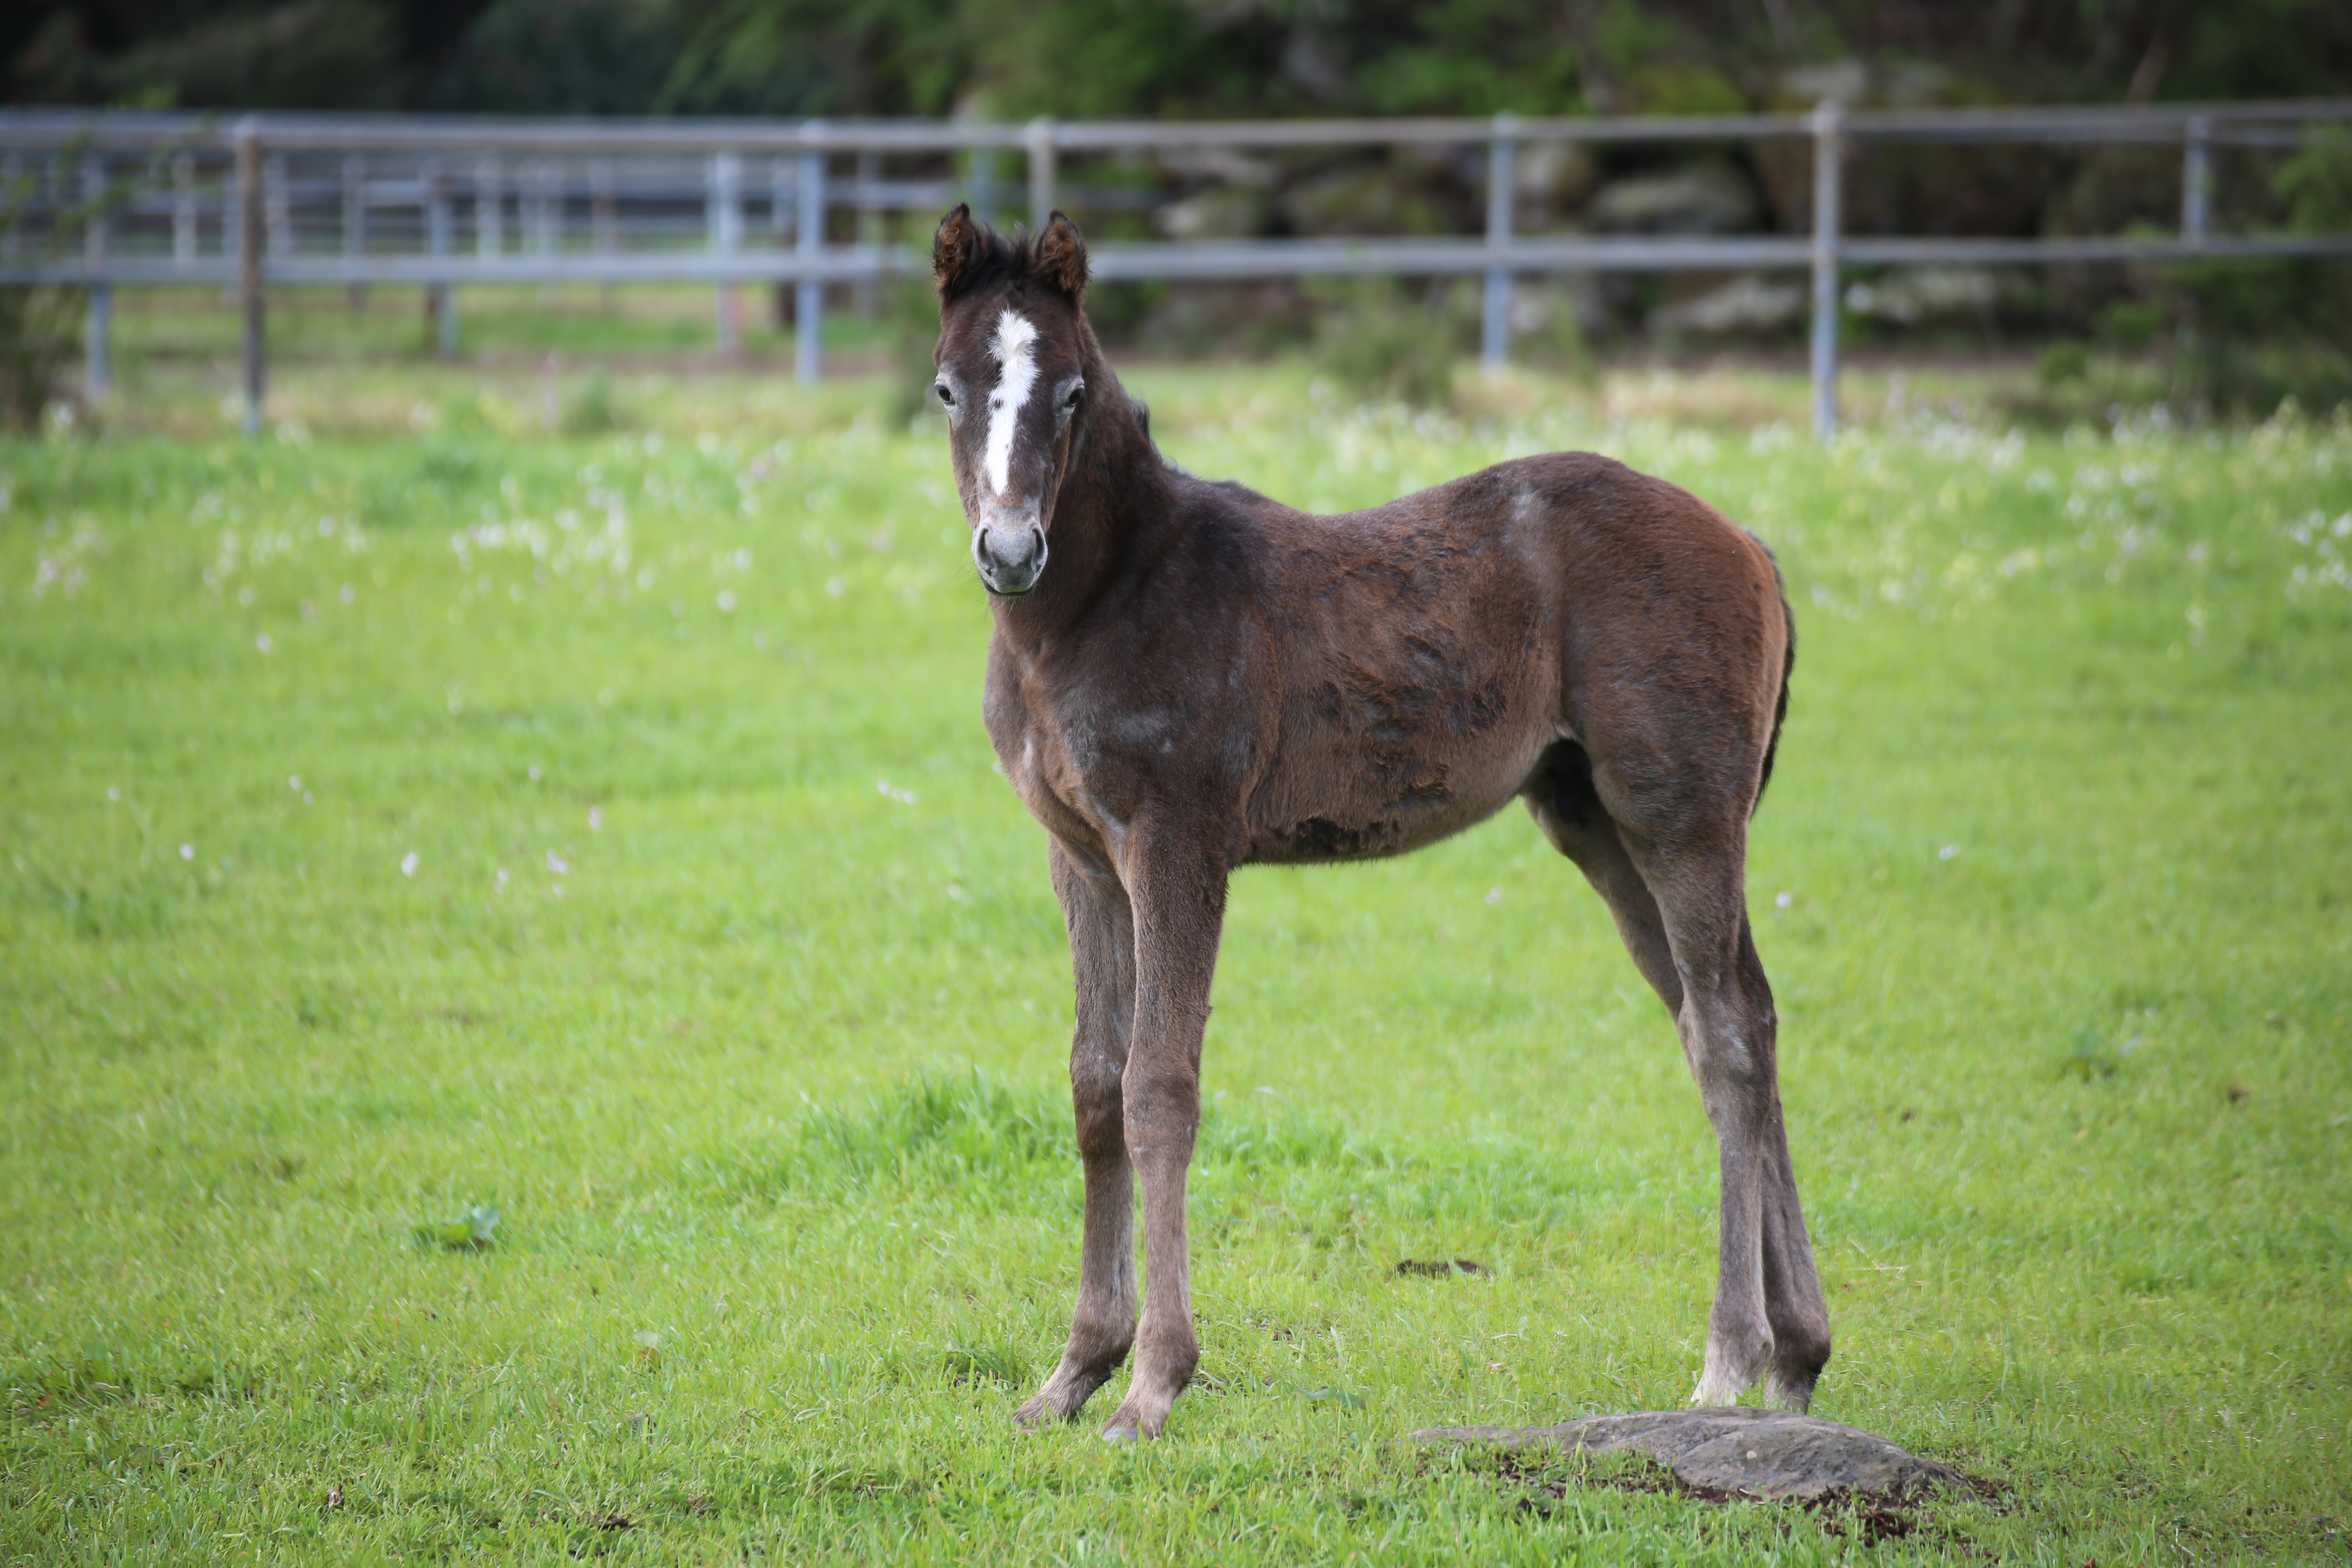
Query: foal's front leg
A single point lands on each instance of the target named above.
(1178, 889)
(1102, 956)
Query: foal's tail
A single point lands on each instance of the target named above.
(1788, 664)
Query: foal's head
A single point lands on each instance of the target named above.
(1013, 358)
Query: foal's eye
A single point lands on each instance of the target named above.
(1070, 398)
(946, 396)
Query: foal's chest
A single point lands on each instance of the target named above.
(1081, 760)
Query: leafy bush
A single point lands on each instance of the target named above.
(2256, 333)
(40, 323)
(911, 323)
(1380, 344)
(588, 408)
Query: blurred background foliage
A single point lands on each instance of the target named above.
(1196, 57)
(2234, 338)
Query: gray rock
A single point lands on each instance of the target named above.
(1763, 1453)
(1746, 304)
(1704, 198)
(1917, 294)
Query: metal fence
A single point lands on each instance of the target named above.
(263, 201)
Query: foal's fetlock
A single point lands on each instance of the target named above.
(1160, 1375)
(1796, 1368)
(1787, 1391)
(1064, 1394)
(1082, 1369)
(1735, 1363)
(1144, 1411)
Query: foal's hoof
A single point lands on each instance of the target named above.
(1119, 1432)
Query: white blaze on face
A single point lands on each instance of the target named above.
(1015, 341)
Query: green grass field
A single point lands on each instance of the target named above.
(603, 831)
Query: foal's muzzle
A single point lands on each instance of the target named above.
(1011, 557)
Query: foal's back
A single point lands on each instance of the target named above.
(1427, 654)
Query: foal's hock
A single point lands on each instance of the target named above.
(1186, 677)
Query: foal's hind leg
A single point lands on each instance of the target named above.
(1769, 1316)
(1691, 940)
(1102, 954)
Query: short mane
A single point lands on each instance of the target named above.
(994, 258)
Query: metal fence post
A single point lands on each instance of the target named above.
(249, 238)
(356, 223)
(1494, 326)
(1828, 139)
(183, 209)
(603, 218)
(12, 172)
(808, 312)
(489, 215)
(278, 206)
(984, 184)
(441, 300)
(2196, 179)
(98, 374)
(726, 200)
(870, 226)
(1044, 171)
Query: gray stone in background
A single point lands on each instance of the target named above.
(1765, 1453)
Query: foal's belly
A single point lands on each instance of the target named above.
(1319, 803)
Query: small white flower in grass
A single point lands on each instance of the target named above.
(534, 772)
(263, 642)
(957, 894)
(557, 863)
(834, 587)
(726, 600)
(1947, 851)
(498, 882)
(187, 851)
(595, 820)
(1783, 901)
(293, 781)
(347, 594)
(1494, 894)
(408, 864)
(113, 792)
(903, 796)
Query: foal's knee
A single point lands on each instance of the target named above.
(1100, 1111)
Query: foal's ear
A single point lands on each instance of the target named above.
(957, 251)
(1058, 258)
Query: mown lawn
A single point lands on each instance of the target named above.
(603, 831)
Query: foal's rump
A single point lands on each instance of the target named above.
(1430, 650)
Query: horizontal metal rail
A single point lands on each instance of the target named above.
(263, 201)
(1225, 261)
(2119, 124)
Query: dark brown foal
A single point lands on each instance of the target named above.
(1187, 678)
